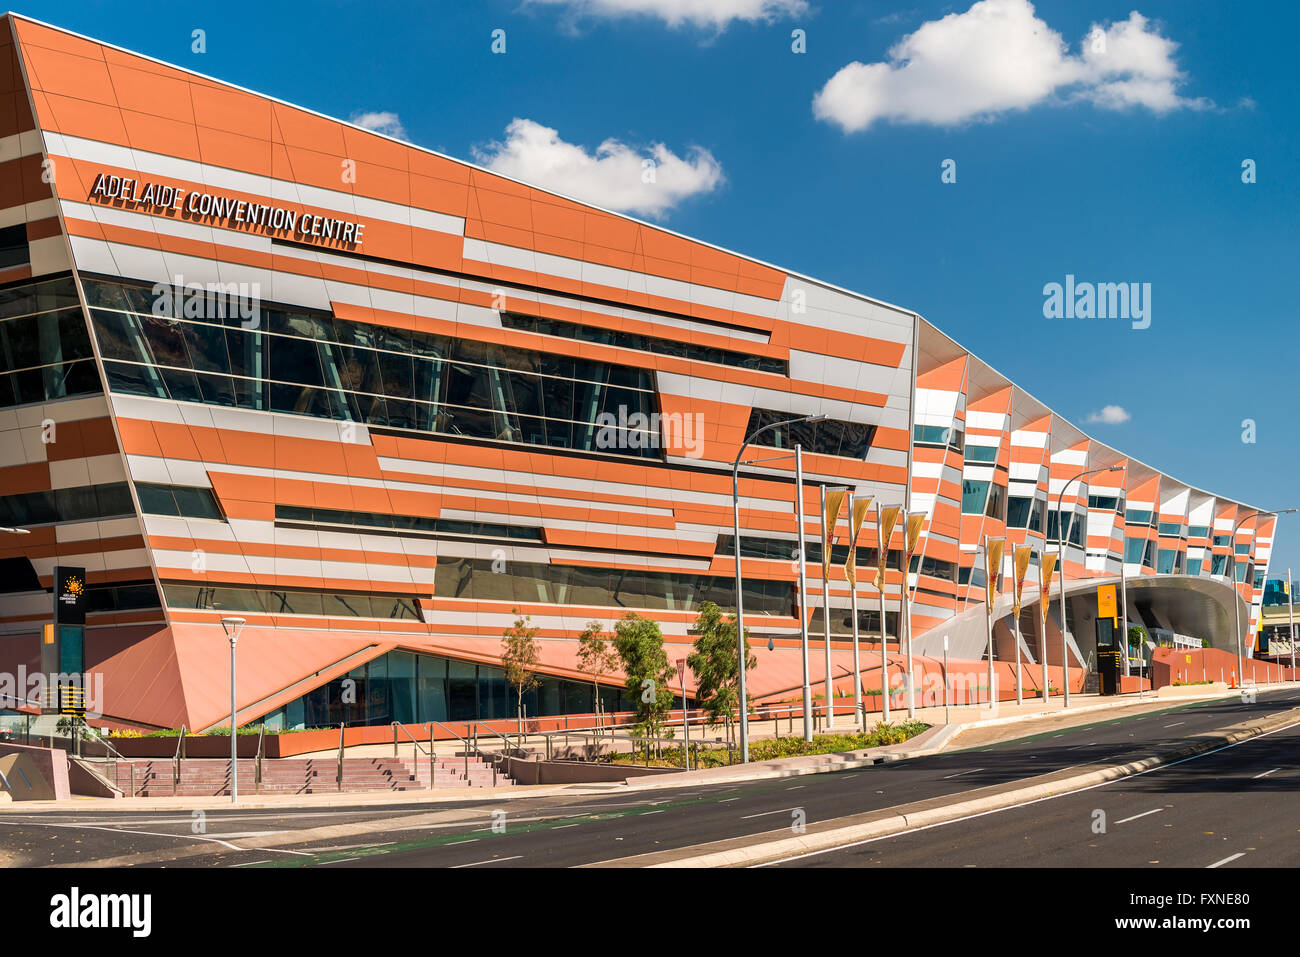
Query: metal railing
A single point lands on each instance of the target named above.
(338, 777)
(177, 758)
(257, 767)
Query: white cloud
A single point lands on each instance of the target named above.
(1110, 415)
(649, 182)
(698, 13)
(381, 121)
(999, 56)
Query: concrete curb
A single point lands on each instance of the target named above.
(897, 820)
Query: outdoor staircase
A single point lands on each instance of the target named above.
(209, 777)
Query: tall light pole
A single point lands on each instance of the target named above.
(802, 578)
(1232, 580)
(828, 537)
(740, 599)
(1060, 560)
(232, 627)
(1290, 612)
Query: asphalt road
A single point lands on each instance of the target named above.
(563, 830)
(1234, 807)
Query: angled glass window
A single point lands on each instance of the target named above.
(974, 496)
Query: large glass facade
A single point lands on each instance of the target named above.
(317, 364)
(413, 688)
(290, 602)
(483, 579)
(45, 350)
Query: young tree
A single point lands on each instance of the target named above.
(519, 657)
(596, 657)
(640, 646)
(715, 662)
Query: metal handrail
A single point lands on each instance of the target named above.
(338, 778)
(257, 771)
(397, 725)
(176, 770)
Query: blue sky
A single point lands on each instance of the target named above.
(1127, 169)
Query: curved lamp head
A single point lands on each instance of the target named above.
(232, 627)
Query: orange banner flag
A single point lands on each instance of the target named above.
(1023, 554)
(856, 519)
(831, 518)
(993, 549)
(886, 519)
(914, 523)
(1045, 571)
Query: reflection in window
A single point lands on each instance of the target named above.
(473, 578)
(827, 437)
(322, 366)
(974, 496)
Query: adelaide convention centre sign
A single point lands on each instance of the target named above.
(162, 200)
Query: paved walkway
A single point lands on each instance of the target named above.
(969, 716)
(1008, 721)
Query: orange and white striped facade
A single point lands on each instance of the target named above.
(332, 223)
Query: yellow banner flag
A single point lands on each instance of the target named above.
(1023, 554)
(885, 522)
(830, 519)
(1045, 571)
(914, 523)
(858, 516)
(993, 567)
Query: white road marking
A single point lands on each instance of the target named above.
(341, 860)
(251, 863)
(1265, 774)
(1174, 725)
(495, 860)
(960, 773)
(782, 810)
(118, 830)
(1136, 816)
(1226, 860)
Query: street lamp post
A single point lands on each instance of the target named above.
(1290, 611)
(740, 600)
(1232, 581)
(1060, 560)
(828, 536)
(232, 627)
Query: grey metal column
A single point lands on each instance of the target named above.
(858, 713)
(803, 592)
(905, 620)
(828, 536)
(1290, 602)
(884, 632)
(988, 616)
(740, 610)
